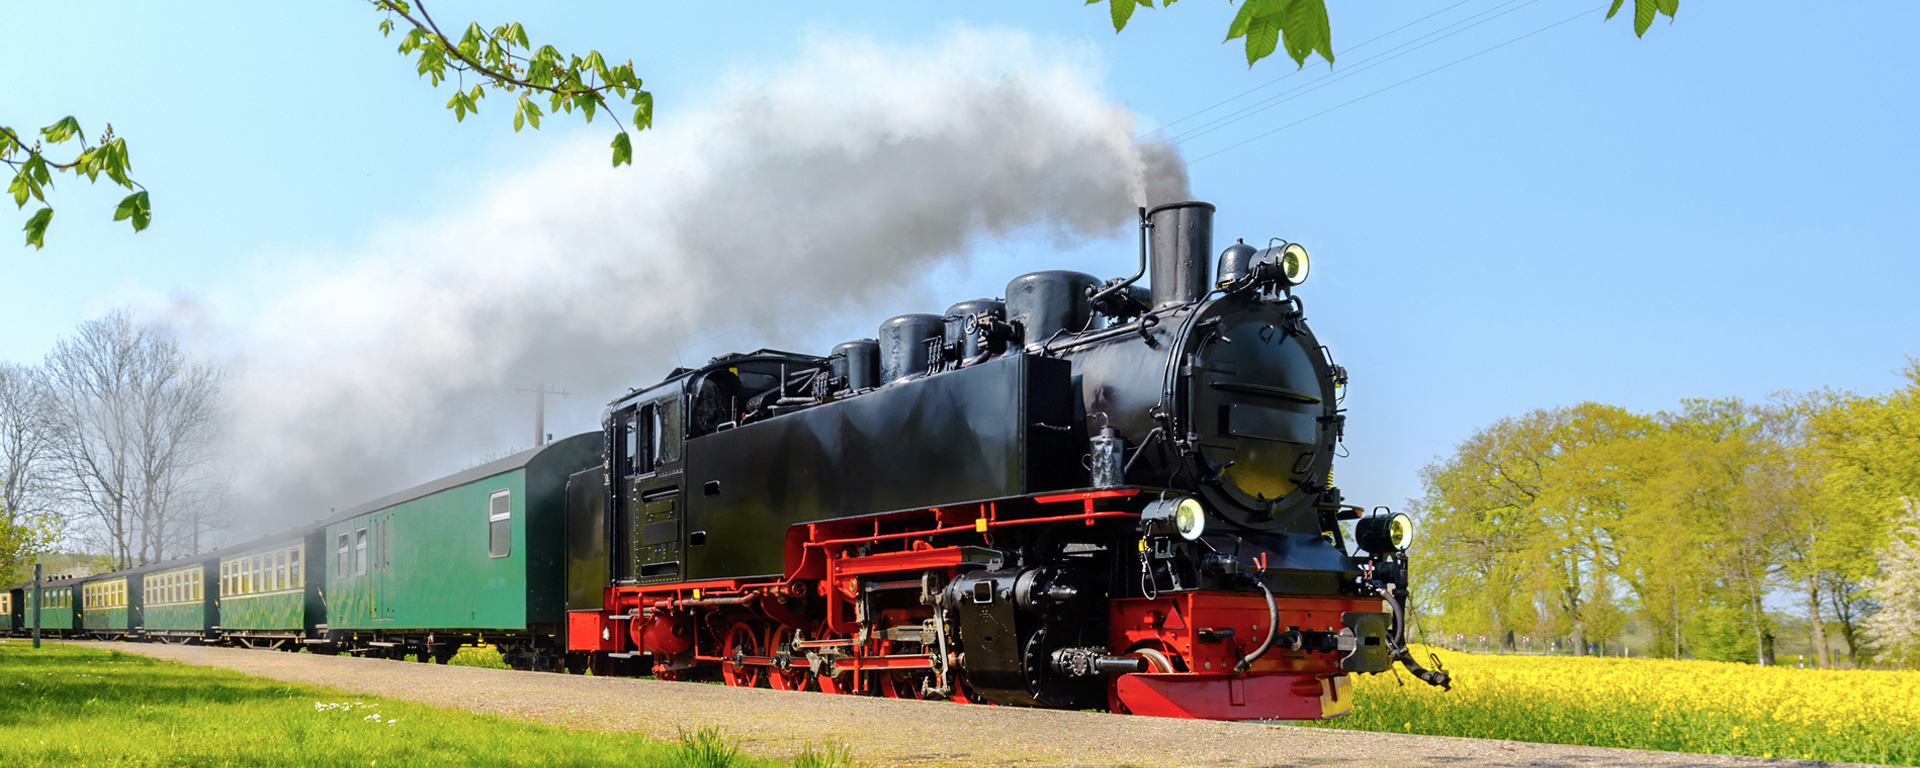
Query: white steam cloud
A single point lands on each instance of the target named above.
(837, 180)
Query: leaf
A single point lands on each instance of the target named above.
(36, 168)
(136, 207)
(1243, 19)
(1121, 10)
(61, 131)
(1643, 11)
(1669, 7)
(1616, 8)
(643, 110)
(1263, 35)
(21, 189)
(532, 111)
(519, 114)
(1306, 30)
(37, 227)
(622, 150)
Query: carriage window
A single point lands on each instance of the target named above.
(360, 552)
(293, 568)
(500, 524)
(280, 571)
(340, 557)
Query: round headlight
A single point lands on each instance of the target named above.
(1189, 518)
(1384, 534)
(1182, 515)
(1294, 264)
(1400, 531)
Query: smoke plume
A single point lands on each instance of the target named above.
(790, 196)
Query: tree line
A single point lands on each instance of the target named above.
(1574, 521)
(109, 445)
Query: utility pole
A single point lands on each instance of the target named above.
(540, 393)
(38, 596)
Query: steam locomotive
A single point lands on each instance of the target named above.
(1083, 495)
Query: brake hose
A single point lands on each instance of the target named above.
(1273, 629)
(1398, 652)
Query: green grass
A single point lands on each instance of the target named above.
(82, 707)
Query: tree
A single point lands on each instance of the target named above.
(1895, 630)
(29, 515)
(570, 82)
(136, 424)
(1302, 28)
(1870, 447)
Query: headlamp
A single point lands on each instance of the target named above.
(1181, 515)
(1384, 534)
(1294, 264)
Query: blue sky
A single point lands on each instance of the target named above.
(1717, 209)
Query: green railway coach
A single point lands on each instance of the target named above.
(176, 602)
(106, 608)
(266, 594)
(9, 617)
(477, 557)
(54, 603)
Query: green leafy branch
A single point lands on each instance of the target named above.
(1300, 26)
(33, 173)
(1267, 25)
(1644, 11)
(570, 82)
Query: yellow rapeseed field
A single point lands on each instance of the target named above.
(1868, 716)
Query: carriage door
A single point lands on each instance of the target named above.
(380, 569)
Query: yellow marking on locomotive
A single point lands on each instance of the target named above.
(980, 525)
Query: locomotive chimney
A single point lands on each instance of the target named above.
(1182, 243)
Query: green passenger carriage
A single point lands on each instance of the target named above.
(177, 601)
(54, 603)
(264, 592)
(9, 616)
(106, 607)
(473, 558)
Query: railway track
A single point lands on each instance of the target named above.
(889, 732)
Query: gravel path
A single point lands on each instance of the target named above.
(886, 732)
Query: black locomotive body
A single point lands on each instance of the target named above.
(1084, 495)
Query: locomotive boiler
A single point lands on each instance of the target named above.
(1083, 494)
